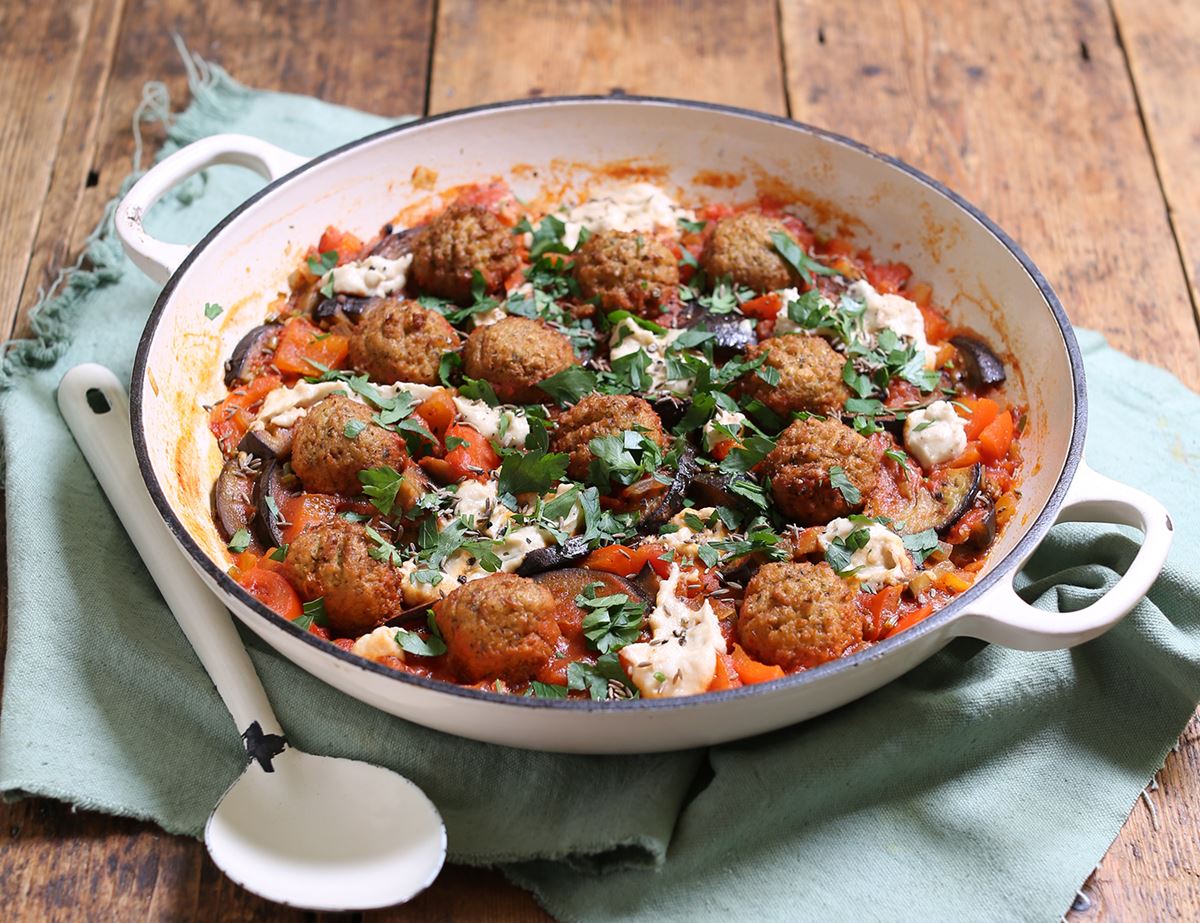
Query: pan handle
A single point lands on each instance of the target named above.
(156, 258)
(1002, 617)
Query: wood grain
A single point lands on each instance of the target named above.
(334, 51)
(41, 60)
(1025, 108)
(710, 50)
(1010, 103)
(1161, 41)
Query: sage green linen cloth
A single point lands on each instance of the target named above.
(985, 784)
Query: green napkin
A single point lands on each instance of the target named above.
(985, 783)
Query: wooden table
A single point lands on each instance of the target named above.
(1076, 127)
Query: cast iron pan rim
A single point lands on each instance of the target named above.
(1041, 525)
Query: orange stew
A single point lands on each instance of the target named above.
(626, 447)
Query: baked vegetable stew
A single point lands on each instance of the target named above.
(609, 446)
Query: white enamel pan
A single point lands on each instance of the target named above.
(699, 152)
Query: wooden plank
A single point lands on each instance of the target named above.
(40, 45)
(1162, 48)
(711, 50)
(1155, 861)
(333, 51)
(1044, 134)
(61, 222)
(1025, 108)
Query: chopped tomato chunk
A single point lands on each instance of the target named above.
(471, 456)
(887, 277)
(230, 419)
(437, 412)
(996, 437)
(978, 414)
(273, 591)
(306, 512)
(346, 244)
(304, 349)
(625, 561)
(764, 307)
(750, 671)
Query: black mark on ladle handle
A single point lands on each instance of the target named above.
(262, 748)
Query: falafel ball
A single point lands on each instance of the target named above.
(798, 615)
(333, 562)
(741, 248)
(327, 460)
(810, 375)
(799, 467)
(627, 271)
(399, 340)
(463, 240)
(499, 627)
(602, 415)
(515, 355)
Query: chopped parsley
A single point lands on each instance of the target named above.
(319, 265)
(239, 542)
(412, 643)
(212, 310)
(839, 479)
(598, 678)
(313, 614)
(546, 690)
(353, 428)
(840, 550)
(610, 621)
(921, 544)
(805, 266)
(529, 472)
(622, 458)
(381, 485)
(569, 385)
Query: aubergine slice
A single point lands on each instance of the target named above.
(239, 366)
(267, 444)
(568, 582)
(715, 488)
(732, 333)
(670, 409)
(981, 366)
(921, 508)
(275, 485)
(350, 307)
(661, 507)
(233, 499)
(566, 554)
(396, 244)
(955, 493)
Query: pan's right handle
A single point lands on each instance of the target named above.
(159, 259)
(1002, 617)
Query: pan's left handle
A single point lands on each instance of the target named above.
(159, 259)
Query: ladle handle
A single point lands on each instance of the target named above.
(96, 409)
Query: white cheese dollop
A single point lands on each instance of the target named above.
(895, 313)
(636, 207)
(681, 656)
(487, 318)
(883, 559)
(935, 434)
(686, 540)
(490, 420)
(378, 644)
(628, 337)
(285, 406)
(372, 277)
(731, 419)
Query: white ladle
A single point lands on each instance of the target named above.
(311, 831)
